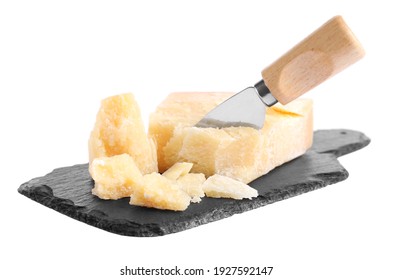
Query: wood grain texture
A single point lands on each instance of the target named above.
(68, 191)
(324, 53)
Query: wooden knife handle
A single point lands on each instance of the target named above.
(325, 52)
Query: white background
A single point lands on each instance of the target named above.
(58, 59)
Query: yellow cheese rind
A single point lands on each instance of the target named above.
(219, 186)
(241, 153)
(159, 192)
(177, 170)
(119, 129)
(115, 177)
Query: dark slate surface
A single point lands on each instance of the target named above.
(68, 191)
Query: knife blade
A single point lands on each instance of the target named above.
(325, 52)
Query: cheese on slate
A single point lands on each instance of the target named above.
(120, 151)
(240, 153)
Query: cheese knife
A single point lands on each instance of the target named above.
(325, 52)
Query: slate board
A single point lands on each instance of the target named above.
(68, 191)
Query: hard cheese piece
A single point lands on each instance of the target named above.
(118, 176)
(241, 153)
(177, 170)
(119, 129)
(221, 186)
(159, 192)
(183, 110)
(192, 184)
(114, 177)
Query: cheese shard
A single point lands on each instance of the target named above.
(115, 177)
(192, 184)
(159, 192)
(119, 129)
(177, 170)
(240, 153)
(218, 186)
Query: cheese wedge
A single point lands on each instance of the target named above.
(240, 153)
(119, 129)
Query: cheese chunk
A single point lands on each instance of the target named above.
(240, 153)
(159, 192)
(115, 177)
(119, 129)
(118, 176)
(218, 186)
(192, 184)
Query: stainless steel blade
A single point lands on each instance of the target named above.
(243, 109)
